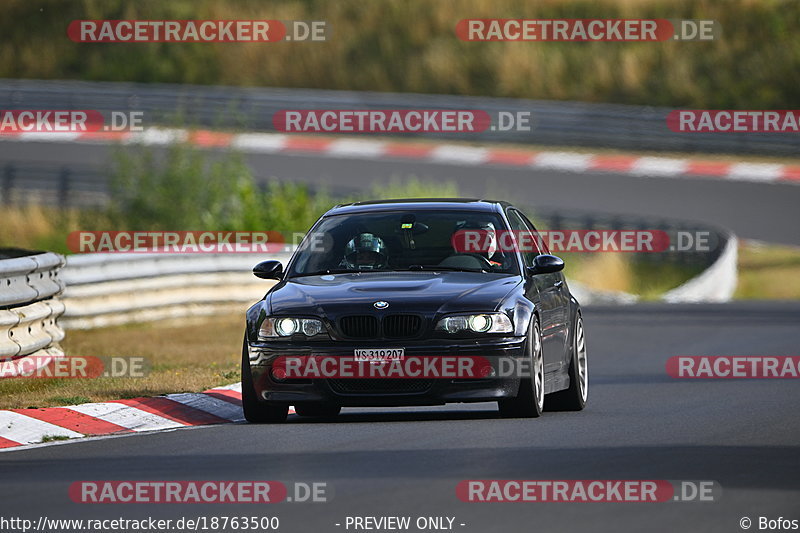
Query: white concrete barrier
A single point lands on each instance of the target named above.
(29, 310)
(111, 289)
(717, 283)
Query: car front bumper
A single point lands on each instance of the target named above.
(500, 352)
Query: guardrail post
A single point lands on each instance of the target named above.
(8, 183)
(555, 222)
(642, 225)
(63, 187)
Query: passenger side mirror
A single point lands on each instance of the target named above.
(546, 264)
(268, 270)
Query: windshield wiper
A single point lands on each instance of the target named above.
(447, 268)
(435, 268)
(329, 271)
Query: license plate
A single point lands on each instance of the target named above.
(380, 355)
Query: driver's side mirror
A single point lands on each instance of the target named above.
(546, 264)
(268, 270)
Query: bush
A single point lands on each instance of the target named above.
(185, 189)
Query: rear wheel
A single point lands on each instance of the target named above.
(529, 402)
(317, 410)
(574, 398)
(255, 411)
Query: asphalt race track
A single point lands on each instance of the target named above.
(762, 211)
(640, 424)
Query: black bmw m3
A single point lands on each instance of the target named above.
(415, 302)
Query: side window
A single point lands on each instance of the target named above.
(525, 236)
(540, 243)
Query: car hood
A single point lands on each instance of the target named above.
(425, 293)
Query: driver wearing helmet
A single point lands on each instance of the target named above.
(485, 234)
(365, 252)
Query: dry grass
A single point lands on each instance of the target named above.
(611, 271)
(768, 272)
(37, 227)
(41, 227)
(189, 355)
(606, 271)
(26, 224)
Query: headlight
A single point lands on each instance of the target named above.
(311, 327)
(272, 328)
(478, 323)
(286, 326)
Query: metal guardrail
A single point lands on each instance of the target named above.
(67, 186)
(111, 289)
(554, 123)
(29, 309)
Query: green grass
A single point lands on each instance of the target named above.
(53, 438)
(68, 400)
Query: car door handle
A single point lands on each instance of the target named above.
(558, 283)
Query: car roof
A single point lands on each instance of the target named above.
(427, 204)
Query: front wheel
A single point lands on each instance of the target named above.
(574, 398)
(254, 411)
(529, 402)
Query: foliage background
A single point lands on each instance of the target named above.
(410, 46)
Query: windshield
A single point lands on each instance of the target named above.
(402, 241)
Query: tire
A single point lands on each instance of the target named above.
(257, 412)
(574, 398)
(529, 402)
(317, 409)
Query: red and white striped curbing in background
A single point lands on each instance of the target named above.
(437, 152)
(21, 427)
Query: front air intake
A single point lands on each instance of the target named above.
(401, 326)
(359, 326)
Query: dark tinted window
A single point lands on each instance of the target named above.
(526, 236)
(405, 240)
